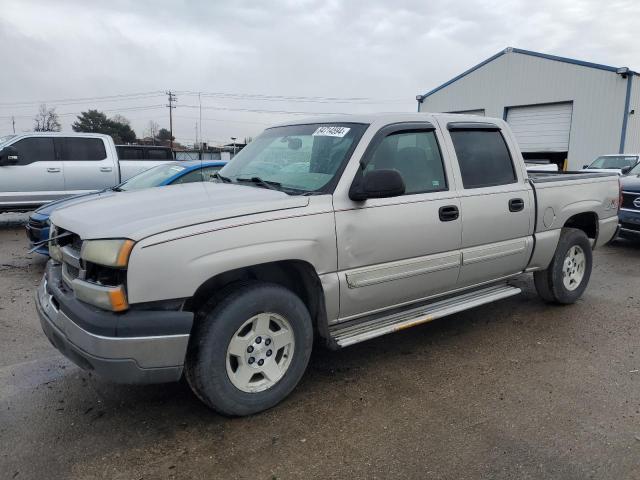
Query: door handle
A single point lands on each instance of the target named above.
(53, 170)
(516, 205)
(106, 169)
(448, 213)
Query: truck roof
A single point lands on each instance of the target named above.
(386, 118)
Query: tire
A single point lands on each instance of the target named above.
(564, 282)
(238, 325)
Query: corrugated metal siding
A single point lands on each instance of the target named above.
(541, 128)
(516, 80)
(632, 142)
(479, 112)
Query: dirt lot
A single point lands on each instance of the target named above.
(517, 389)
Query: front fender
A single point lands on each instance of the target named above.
(161, 269)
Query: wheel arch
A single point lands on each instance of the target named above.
(299, 276)
(585, 221)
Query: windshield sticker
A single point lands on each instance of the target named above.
(331, 132)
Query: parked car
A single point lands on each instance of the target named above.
(158, 176)
(397, 220)
(144, 152)
(630, 208)
(37, 168)
(540, 166)
(615, 163)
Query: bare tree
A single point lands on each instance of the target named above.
(121, 119)
(46, 120)
(152, 130)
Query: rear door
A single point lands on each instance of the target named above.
(37, 177)
(496, 204)
(87, 166)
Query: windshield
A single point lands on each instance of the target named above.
(295, 159)
(6, 138)
(635, 170)
(152, 177)
(614, 161)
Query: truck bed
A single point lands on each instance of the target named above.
(545, 177)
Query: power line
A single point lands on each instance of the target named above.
(259, 110)
(73, 101)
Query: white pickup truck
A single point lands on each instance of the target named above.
(341, 230)
(37, 168)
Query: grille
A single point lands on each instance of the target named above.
(627, 200)
(70, 246)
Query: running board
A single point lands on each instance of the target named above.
(359, 330)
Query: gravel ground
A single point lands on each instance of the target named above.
(513, 390)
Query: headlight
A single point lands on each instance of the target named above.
(110, 253)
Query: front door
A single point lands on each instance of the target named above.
(396, 251)
(37, 177)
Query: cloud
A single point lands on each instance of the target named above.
(388, 51)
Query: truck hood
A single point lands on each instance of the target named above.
(139, 214)
(630, 183)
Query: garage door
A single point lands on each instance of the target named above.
(541, 128)
(479, 112)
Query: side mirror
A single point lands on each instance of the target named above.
(9, 156)
(585, 166)
(378, 184)
(625, 170)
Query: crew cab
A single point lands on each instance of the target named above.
(395, 220)
(37, 168)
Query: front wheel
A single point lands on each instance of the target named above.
(249, 348)
(566, 278)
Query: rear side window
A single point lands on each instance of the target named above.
(130, 153)
(483, 157)
(35, 149)
(159, 154)
(82, 149)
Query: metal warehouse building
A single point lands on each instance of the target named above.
(559, 108)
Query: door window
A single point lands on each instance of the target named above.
(483, 157)
(130, 153)
(159, 154)
(82, 149)
(416, 156)
(35, 149)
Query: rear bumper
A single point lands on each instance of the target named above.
(131, 359)
(607, 230)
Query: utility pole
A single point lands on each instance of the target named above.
(200, 104)
(13, 123)
(172, 99)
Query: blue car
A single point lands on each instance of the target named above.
(629, 214)
(159, 176)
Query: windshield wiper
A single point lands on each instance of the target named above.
(222, 178)
(263, 183)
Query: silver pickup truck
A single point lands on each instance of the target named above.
(339, 231)
(40, 167)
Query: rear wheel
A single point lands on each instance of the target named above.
(567, 277)
(249, 349)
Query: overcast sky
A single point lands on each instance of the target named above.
(372, 55)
